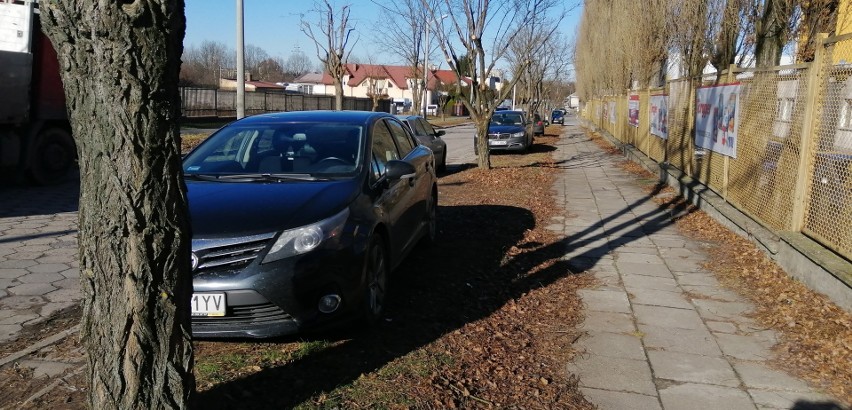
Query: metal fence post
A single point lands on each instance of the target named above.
(726, 167)
(810, 123)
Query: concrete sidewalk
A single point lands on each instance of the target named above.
(661, 333)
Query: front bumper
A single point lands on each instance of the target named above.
(282, 297)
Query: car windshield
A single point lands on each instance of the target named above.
(291, 151)
(508, 118)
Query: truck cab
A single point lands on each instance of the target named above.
(35, 135)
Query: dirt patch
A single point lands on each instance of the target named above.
(485, 318)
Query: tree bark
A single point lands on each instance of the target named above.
(120, 63)
(771, 33)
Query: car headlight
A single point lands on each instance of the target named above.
(518, 134)
(306, 238)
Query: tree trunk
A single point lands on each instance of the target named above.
(770, 33)
(120, 63)
(483, 160)
(338, 94)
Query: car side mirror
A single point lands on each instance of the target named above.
(440, 133)
(396, 169)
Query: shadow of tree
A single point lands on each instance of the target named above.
(27, 200)
(462, 279)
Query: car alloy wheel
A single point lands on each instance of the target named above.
(376, 273)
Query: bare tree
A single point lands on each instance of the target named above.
(377, 82)
(819, 16)
(403, 36)
(776, 21)
(253, 56)
(297, 65)
(331, 41)
(472, 21)
(202, 65)
(270, 69)
(120, 66)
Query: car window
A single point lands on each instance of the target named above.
(418, 127)
(510, 118)
(426, 126)
(383, 149)
(402, 138)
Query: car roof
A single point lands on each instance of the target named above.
(342, 117)
(408, 117)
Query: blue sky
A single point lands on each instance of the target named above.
(273, 25)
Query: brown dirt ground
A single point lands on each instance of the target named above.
(485, 318)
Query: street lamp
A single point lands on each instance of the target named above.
(426, 68)
(241, 79)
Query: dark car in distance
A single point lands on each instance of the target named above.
(298, 219)
(428, 136)
(538, 125)
(557, 117)
(508, 131)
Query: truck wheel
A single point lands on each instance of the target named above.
(53, 155)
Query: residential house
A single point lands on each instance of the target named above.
(391, 82)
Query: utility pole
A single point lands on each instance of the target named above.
(426, 72)
(241, 64)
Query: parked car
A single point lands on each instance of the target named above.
(538, 125)
(428, 136)
(557, 117)
(507, 130)
(298, 218)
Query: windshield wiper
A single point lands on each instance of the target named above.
(270, 177)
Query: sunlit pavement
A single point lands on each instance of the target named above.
(661, 333)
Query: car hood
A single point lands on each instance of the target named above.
(501, 129)
(227, 209)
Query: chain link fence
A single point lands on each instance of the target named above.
(791, 165)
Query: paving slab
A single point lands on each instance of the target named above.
(654, 297)
(685, 367)
(605, 300)
(632, 282)
(616, 400)
(622, 345)
(695, 341)
(757, 375)
(667, 317)
(646, 269)
(691, 396)
(750, 347)
(613, 373)
(607, 322)
(720, 310)
(772, 399)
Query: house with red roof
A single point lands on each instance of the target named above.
(388, 81)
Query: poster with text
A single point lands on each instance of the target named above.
(658, 110)
(716, 119)
(612, 112)
(633, 110)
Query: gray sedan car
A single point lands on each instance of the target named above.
(428, 136)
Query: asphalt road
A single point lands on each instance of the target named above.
(460, 142)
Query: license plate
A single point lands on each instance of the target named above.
(498, 142)
(208, 304)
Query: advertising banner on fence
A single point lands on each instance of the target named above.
(716, 119)
(633, 110)
(612, 112)
(658, 110)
